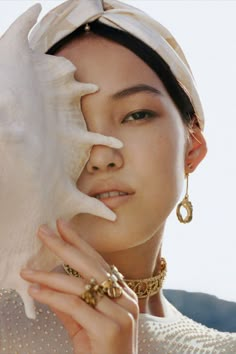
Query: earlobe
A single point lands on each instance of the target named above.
(196, 151)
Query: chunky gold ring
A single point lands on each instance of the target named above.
(111, 287)
(93, 291)
(117, 274)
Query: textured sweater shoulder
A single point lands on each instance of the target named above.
(174, 333)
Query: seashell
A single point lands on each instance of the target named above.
(44, 145)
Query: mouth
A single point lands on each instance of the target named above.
(111, 194)
(113, 199)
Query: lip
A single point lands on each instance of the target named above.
(109, 187)
(112, 202)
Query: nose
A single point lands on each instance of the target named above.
(104, 159)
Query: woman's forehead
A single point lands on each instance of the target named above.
(107, 63)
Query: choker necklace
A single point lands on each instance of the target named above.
(143, 288)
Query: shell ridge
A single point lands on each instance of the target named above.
(78, 202)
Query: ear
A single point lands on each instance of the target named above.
(196, 150)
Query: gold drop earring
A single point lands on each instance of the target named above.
(187, 205)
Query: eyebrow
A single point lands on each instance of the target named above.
(136, 89)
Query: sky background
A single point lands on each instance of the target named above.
(201, 255)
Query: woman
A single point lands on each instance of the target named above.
(146, 99)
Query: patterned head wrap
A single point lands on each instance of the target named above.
(70, 15)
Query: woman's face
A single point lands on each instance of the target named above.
(132, 105)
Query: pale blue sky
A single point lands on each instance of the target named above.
(201, 255)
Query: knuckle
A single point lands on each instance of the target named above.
(127, 322)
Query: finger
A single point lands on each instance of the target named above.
(70, 235)
(87, 266)
(72, 306)
(76, 286)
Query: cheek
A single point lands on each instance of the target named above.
(173, 160)
(159, 161)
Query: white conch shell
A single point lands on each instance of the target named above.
(44, 145)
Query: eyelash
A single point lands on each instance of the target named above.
(143, 112)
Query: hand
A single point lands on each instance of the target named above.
(110, 327)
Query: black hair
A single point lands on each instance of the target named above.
(149, 56)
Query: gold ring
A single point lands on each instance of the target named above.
(111, 287)
(92, 291)
(117, 274)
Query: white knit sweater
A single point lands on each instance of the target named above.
(174, 333)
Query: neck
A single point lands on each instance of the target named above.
(141, 262)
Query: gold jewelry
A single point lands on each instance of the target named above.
(142, 287)
(117, 274)
(148, 287)
(187, 205)
(111, 287)
(92, 291)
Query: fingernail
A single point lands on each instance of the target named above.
(45, 230)
(34, 288)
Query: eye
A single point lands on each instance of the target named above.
(139, 115)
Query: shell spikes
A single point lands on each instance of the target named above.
(44, 146)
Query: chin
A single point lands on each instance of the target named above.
(113, 236)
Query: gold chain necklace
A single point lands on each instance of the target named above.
(142, 287)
